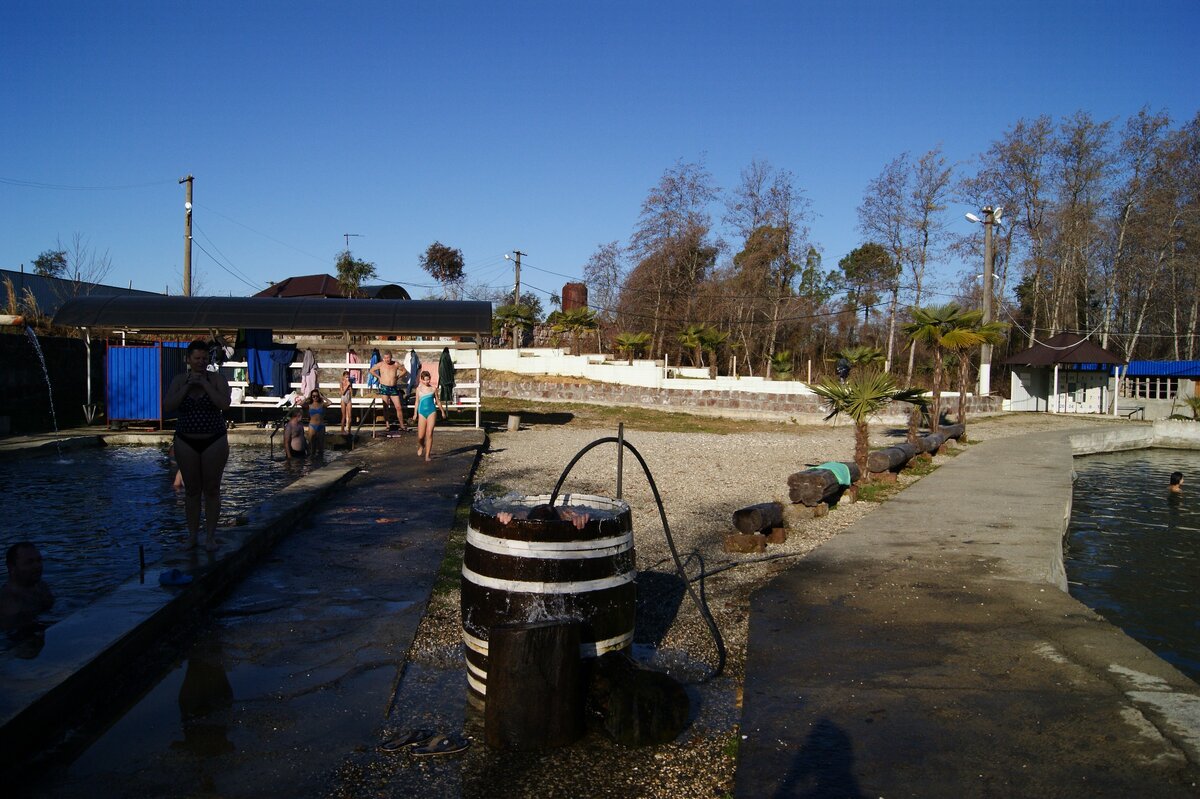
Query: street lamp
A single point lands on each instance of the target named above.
(991, 217)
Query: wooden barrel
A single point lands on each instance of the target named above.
(538, 569)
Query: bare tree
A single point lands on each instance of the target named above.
(903, 210)
(603, 274)
(671, 244)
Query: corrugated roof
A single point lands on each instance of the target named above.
(1064, 348)
(1164, 369)
(294, 315)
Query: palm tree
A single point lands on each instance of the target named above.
(711, 340)
(864, 395)
(930, 325)
(969, 332)
(1194, 404)
(512, 319)
(858, 356)
(693, 338)
(781, 365)
(632, 344)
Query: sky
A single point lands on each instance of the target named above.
(528, 125)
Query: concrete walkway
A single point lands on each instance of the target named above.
(931, 651)
(297, 663)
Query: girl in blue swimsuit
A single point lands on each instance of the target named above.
(316, 422)
(425, 414)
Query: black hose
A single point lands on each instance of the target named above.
(699, 600)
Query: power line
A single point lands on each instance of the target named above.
(32, 184)
(218, 263)
(264, 235)
(223, 255)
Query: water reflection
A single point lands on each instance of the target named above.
(1133, 549)
(119, 498)
(205, 702)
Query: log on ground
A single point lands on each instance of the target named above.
(892, 458)
(930, 443)
(756, 518)
(954, 431)
(813, 486)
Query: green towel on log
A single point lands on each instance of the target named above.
(840, 470)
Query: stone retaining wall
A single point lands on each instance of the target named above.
(759, 404)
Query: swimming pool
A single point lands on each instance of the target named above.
(89, 509)
(1133, 549)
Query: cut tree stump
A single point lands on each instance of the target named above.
(535, 690)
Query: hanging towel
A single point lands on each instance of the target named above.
(281, 373)
(840, 470)
(446, 377)
(355, 374)
(259, 347)
(308, 375)
(413, 365)
(372, 380)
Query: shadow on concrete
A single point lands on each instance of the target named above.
(823, 768)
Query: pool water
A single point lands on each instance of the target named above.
(1133, 548)
(88, 510)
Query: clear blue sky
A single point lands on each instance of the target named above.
(494, 126)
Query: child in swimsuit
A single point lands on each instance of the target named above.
(425, 414)
(316, 422)
(347, 389)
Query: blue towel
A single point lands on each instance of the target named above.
(258, 355)
(840, 470)
(372, 380)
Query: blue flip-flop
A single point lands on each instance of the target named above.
(407, 739)
(174, 577)
(450, 744)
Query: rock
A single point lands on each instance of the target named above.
(745, 542)
(778, 535)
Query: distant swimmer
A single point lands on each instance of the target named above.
(1177, 482)
(26, 594)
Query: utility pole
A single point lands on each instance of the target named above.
(989, 258)
(517, 292)
(187, 237)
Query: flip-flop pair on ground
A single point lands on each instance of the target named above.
(426, 743)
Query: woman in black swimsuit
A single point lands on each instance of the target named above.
(201, 444)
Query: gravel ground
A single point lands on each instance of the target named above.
(703, 478)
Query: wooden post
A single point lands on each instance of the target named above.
(535, 692)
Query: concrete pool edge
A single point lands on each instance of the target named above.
(932, 617)
(85, 652)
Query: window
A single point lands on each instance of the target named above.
(1150, 387)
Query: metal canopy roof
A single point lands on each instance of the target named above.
(286, 315)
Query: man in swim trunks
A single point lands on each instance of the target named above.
(391, 376)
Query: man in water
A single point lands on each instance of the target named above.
(1177, 482)
(26, 594)
(391, 376)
